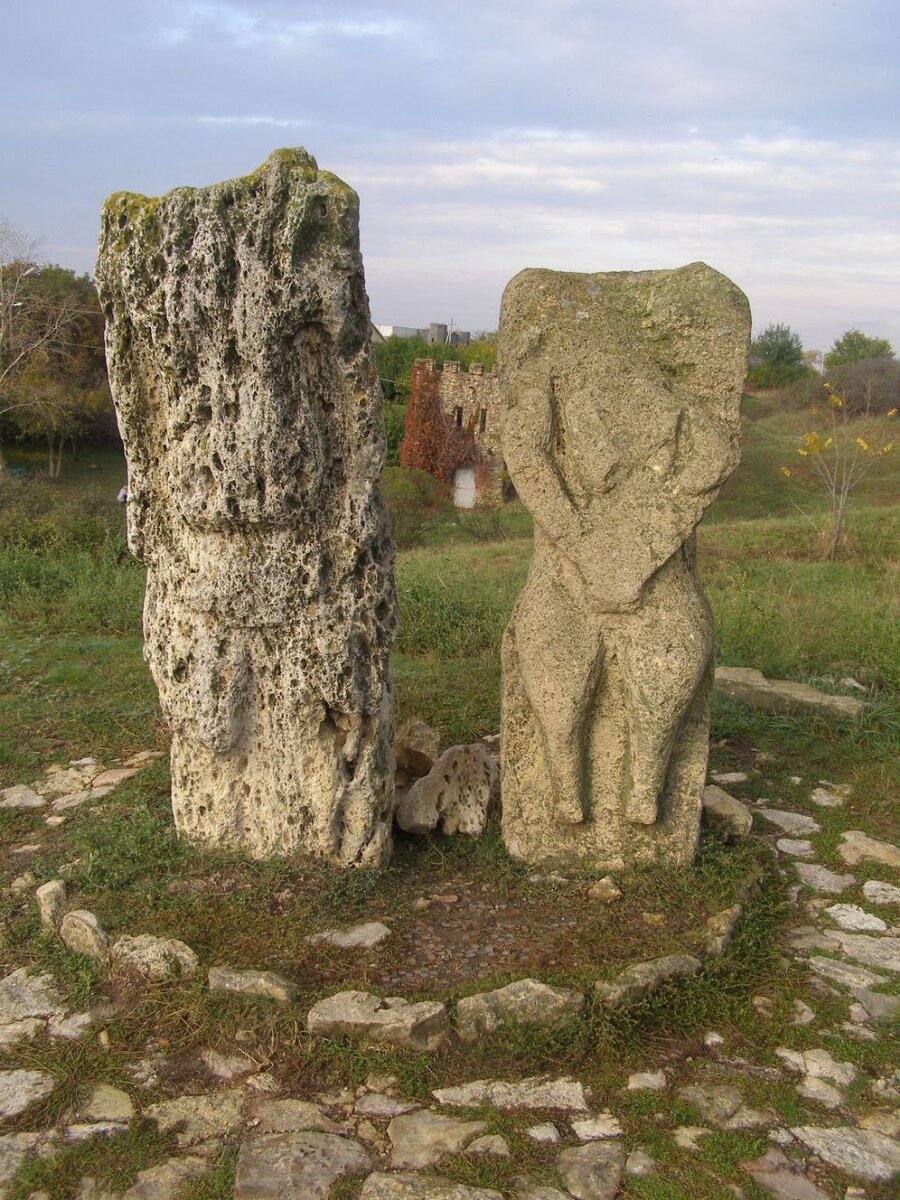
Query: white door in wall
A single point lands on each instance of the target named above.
(464, 487)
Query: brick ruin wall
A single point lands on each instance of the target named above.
(470, 402)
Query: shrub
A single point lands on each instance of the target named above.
(416, 500)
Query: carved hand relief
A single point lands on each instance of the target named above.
(620, 422)
(239, 354)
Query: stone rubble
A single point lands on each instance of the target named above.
(154, 957)
(286, 1142)
(420, 1139)
(455, 796)
(540, 1091)
(729, 817)
(264, 985)
(392, 1021)
(525, 1002)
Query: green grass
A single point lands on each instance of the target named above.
(72, 682)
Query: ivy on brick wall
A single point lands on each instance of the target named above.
(431, 442)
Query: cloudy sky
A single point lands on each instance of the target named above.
(483, 136)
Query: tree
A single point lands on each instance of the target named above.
(854, 346)
(776, 357)
(52, 364)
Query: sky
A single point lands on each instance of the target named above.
(484, 136)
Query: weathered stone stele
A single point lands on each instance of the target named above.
(620, 422)
(237, 333)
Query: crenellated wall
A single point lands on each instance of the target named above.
(463, 408)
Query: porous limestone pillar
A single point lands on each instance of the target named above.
(620, 422)
(237, 336)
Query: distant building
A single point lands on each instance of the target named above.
(436, 334)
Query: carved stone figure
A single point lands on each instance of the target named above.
(237, 332)
(621, 410)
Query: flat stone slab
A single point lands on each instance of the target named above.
(19, 1090)
(546, 1133)
(422, 1026)
(642, 979)
(594, 1129)
(20, 796)
(419, 1187)
(877, 892)
(114, 776)
(166, 1180)
(592, 1172)
(715, 1102)
(750, 686)
(107, 1103)
(363, 936)
(419, 1139)
(855, 919)
(537, 1092)
(264, 985)
(374, 1104)
(820, 879)
(795, 848)
(649, 1081)
(289, 1116)
(23, 995)
(14, 1149)
(783, 1177)
(279, 1165)
(845, 974)
(200, 1118)
(492, 1145)
(155, 957)
(862, 1153)
(525, 1002)
(818, 1064)
(790, 822)
(883, 953)
(825, 798)
(856, 846)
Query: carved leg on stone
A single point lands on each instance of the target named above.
(560, 656)
(667, 648)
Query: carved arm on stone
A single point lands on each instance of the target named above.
(527, 440)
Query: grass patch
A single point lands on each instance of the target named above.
(113, 1162)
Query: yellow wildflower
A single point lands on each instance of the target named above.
(863, 445)
(892, 413)
(786, 472)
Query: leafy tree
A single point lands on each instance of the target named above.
(854, 346)
(53, 381)
(776, 357)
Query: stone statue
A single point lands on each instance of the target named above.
(238, 342)
(621, 419)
